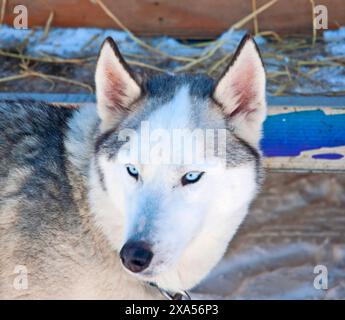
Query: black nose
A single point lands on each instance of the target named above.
(136, 255)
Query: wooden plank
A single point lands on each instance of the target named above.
(289, 101)
(300, 133)
(178, 18)
(49, 97)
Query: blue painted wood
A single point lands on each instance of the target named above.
(328, 156)
(287, 135)
(49, 97)
(307, 101)
(300, 101)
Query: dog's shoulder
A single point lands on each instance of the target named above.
(31, 118)
(35, 192)
(30, 130)
(32, 152)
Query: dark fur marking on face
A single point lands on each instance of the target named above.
(257, 157)
(165, 86)
(110, 143)
(251, 149)
(100, 174)
(102, 138)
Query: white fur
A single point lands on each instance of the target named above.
(175, 114)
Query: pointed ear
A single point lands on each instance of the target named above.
(240, 91)
(116, 86)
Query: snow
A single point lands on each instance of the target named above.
(335, 41)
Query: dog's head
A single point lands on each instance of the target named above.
(177, 163)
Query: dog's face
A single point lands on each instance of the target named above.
(176, 164)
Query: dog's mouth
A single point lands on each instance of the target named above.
(148, 274)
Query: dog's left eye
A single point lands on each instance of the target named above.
(191, 177)
(132, 171)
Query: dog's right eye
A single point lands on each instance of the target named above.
(191, 177)
(132, 171)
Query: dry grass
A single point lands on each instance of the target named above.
(286, 76)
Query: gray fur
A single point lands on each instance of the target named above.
(44, 215)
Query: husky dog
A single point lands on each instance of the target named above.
(80, 218)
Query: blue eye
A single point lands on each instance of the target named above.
(132, 171)
(191, 177)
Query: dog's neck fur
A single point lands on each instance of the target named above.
(79, 143)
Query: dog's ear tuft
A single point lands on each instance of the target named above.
(240, 91)
(116, 86)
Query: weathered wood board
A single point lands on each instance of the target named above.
(300, 133)
(178, 18)
(305, 138)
